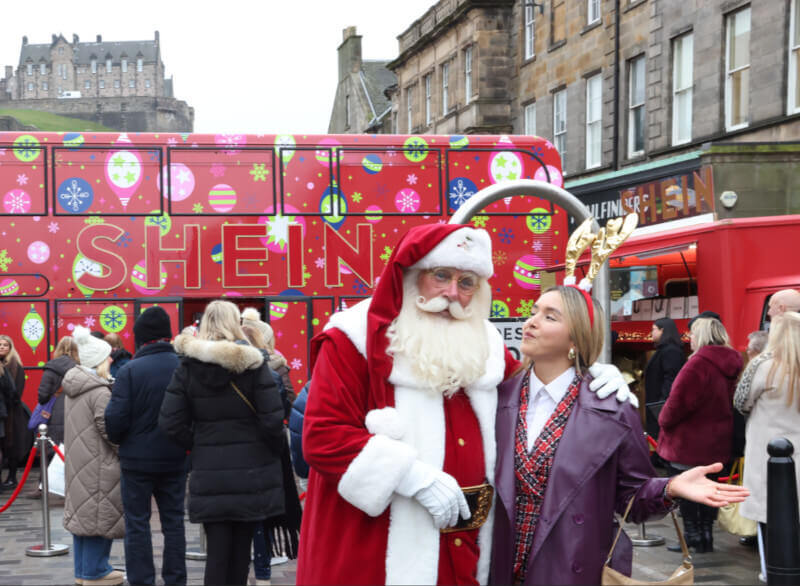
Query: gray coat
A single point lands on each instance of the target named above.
(770, 417)
(93, 504)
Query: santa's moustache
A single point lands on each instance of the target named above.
(439, 304)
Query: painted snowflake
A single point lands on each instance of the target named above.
(296, 364)
(89, 321)
(22, 179)
(319, 262)
(217, 170)
(124, 240)
(93, 220)
(537, 245)
(5, 260)
(16, 201)
(360, 288)
(412, 179)
(407, 200)
(113, 319)
(461, 189)
(499, 310)
(506, 235)
(480, 221)
(500, 257)
(197, 208)
(75, 197)
(259, 172)
(357, 197)
(387, 252)
(52, 227)
(525, 307)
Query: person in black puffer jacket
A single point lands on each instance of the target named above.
(222, 404)
(296, 433)
(119, 355)
(152, 464)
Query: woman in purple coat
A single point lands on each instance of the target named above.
(568, 460)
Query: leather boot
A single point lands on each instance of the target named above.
(707, 517)
(691, 526)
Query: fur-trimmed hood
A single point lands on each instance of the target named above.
(229, 355)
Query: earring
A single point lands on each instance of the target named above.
(571, 354)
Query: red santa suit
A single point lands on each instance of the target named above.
(368, 419)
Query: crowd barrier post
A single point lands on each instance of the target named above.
(46, 549)
(783, 523)
(645, 540)
(199, 555)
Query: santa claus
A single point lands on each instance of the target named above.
(400, 422)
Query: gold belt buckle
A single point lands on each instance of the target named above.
(479, 498)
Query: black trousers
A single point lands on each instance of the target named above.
(228, 552)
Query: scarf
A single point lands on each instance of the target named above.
(532, 470)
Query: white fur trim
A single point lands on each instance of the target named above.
(466, 249)
(586, 285)
(569, 280)
(353, 323)
(229, 355)
(386, 421)
(370, 479)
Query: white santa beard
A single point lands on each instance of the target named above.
(445, 354)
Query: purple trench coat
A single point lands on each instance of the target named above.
(600, 463)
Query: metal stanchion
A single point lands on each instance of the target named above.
(783, 532)
(199, 555)
(46, 549)
(645, 540)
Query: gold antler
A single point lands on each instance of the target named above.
(579, 241)
(608, 240)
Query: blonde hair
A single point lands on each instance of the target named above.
(709, 332)
(784, 343)
(221, 322)
(103, 369)
(254, 336)
(67, 347)
(11, 359)
(114, 340)
(587, 337)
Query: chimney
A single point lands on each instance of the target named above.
(55, 38)
(157, 38)
(9, 71)
(24, 40)
(349, 52)
(75, 39)
(99, 38)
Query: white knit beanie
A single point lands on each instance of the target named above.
(92, 351)
(251, 318)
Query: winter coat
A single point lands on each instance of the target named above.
(236, 454)
(119, 357)
(601, 462)
(279, 365)
(6, 400)
(54, 372)
(132, 414)
(659, 374)
(93, 503)
(697, 419)
(18, 438)
(296, 432)
(770, 417)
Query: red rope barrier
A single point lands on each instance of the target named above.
(57, 451)
(21, 482)
(652, 442)
(302, 496)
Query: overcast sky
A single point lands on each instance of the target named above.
(245, 66)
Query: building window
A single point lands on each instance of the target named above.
(468, 74)
(116, 83)
(63, 71)
(560, 126)
(428, 99)
(409, 110)
(101, 84)
(594, 107)
(592, 11)
(636, 112)
(94, 65)
(347, 111)
(131, 83)
(737, 69)
(139, 63)
(124, 66)
(44, 86)
(445, 86)
(530, 119)
(42, 68)
(29, 67)
(146, 83)
(682, 81)
(87, 84)
(794, 60)
(529, 30)
(558, 21)
(61, 50)
(30, 86)
(108, 65)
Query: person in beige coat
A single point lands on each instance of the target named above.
(93, 501)
(769, 391)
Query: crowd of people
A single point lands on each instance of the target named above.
(432, 454)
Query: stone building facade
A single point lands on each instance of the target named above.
(121, 84)
(629, 91)
(362, 103)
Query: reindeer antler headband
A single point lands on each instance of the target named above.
(606, 241)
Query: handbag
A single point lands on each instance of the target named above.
(729, 517)
(42, 413)
(642, 310)
(659, 308)
(55, 475)
(683, 575)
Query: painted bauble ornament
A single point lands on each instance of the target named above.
(499, 309)
(458, 141)
(33, 328)
(555, 175)
(9, 287)
(539, 220)
(113, 319)
(378, 214)
(163, 221)
(216, 253)
(75, 195)
(278, 309)
(38, 252)
(82, 266)
(139, 279)
(505, 166)
(407, 200)
(73, 140)
(222, 198)
(333, 206)
(459, 191)
(181, 182)
(17, 201)
(415, 148)
(325, 150)
(372, 164)
(123, 169)
(526, 271)
(27, 148)
(231, 140)
(285, 147)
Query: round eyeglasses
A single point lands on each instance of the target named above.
(467, 281)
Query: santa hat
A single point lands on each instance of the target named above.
(428, 246)
(252, 318)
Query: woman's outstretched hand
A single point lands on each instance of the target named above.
(694, 486)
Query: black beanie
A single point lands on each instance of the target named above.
(707, 314)
(152, 324)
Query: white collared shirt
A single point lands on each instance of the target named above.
(543, 400)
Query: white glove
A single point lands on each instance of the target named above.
(607, 380)
(437, 491)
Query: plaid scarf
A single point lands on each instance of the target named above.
(532, 470)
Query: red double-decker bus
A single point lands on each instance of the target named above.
(98, 226)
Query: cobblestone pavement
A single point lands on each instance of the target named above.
(20, 527)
